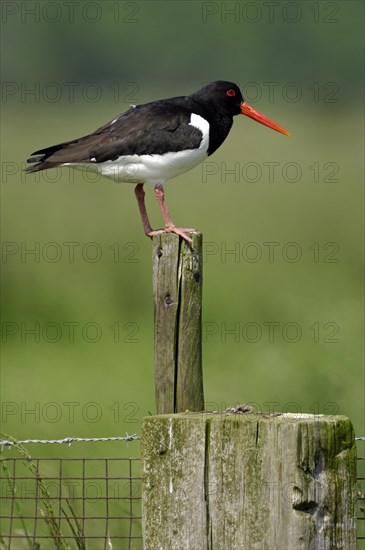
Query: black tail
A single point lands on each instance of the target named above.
(75, 151)
(43, 159)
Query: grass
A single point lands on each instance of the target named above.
(48, 512)
(70, 504)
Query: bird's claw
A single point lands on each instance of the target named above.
(181, 231)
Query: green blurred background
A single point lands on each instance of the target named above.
(295, 305)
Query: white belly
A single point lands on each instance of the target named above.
(151, 168)
(155, 169)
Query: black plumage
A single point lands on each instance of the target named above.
(153, 128)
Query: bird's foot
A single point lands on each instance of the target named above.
(181, 231)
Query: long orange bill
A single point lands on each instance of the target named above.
(250, 112)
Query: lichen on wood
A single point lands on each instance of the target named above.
(248, 482)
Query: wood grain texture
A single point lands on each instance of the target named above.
(248, 482)
(177, 295)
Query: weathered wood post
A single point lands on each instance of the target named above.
(177, 294)
(248, 482)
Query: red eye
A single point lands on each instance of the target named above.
(231, 92)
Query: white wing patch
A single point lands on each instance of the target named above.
(203, 125)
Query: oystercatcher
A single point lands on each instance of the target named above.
(156, 141)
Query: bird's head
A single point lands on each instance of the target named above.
(227, 97)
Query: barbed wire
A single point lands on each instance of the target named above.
(69, 440)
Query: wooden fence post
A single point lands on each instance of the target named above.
(177, 295)
(248, 482)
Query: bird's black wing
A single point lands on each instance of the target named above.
(153, 128)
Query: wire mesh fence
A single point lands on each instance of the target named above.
(88, 503)
(71, 503)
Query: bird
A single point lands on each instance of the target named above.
(154, 142)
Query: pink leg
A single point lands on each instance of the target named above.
(169, 225)
(139, 192)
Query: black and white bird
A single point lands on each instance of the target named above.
(157, 141)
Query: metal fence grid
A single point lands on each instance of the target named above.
(71, 503)
(88, 503)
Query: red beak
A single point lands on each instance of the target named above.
(250, 112)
